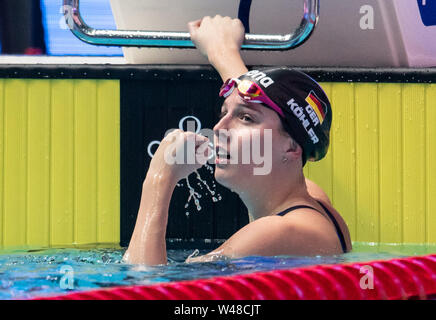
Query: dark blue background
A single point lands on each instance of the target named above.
(428, 12)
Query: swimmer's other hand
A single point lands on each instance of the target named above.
(179, 154)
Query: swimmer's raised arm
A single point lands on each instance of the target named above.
(148, 245)
(220, 39)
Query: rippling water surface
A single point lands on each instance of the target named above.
(41, 272)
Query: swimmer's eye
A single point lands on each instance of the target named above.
(246, 118)
(243, 116)
(222, 115)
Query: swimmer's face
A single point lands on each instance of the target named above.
(247, 136)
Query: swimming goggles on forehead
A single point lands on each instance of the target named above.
(250, 91)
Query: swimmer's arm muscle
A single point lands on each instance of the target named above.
(228, 65)
(147, 245)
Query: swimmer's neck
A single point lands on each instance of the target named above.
(272, 200)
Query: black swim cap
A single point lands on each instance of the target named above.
(306, 108)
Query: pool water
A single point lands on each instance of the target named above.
(43, 272)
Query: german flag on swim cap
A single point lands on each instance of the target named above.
(317, 105)
(306, 107)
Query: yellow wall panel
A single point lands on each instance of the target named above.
(344, 152)
(430, 117)
(62, 163)
(108, 175)
(15, 163)
(367, 162)
(390, 147)
(38, 164)
(85, 161)
(414, 175)
(50, 158)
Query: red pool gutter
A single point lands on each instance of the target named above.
(397, 279)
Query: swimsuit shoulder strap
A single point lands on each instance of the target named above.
(294, 208)
(332, 218)
(338, 229)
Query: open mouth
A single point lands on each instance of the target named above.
(221, 154)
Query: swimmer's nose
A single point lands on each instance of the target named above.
(221, 129)
(223, 123)
(217, 127)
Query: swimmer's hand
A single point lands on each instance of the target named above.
(179, 154)
(220, 40)
(216, 35)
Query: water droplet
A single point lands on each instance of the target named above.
(195, 196)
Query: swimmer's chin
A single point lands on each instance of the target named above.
(226, 180)
(219, 178)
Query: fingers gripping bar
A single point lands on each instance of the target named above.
(169, 39)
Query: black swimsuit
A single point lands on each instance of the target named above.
(332, 218)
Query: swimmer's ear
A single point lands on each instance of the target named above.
(293, 150)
